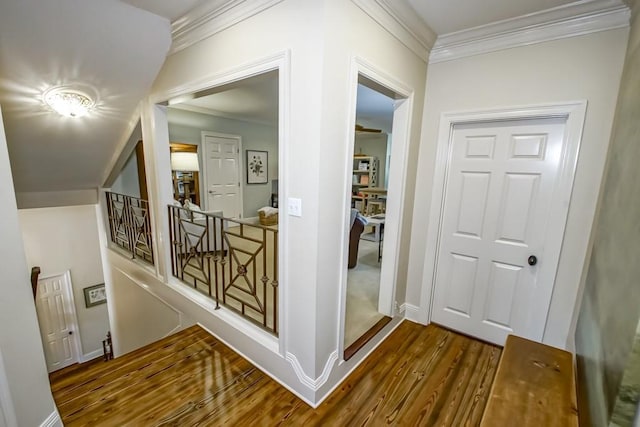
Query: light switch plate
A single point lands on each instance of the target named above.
(294, 207)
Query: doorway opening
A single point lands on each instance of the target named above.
(369, 291)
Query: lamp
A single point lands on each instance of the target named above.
(68, 103)
(185, 162)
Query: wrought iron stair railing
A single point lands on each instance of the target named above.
(130, 225)
(232, 262)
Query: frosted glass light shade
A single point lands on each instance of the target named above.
(68, 103)
(185, 162)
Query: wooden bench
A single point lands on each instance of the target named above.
(534, 386)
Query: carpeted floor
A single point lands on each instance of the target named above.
(363, 286)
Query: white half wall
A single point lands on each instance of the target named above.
(66, 238)
(580, 68)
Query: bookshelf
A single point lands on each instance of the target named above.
(365, 175)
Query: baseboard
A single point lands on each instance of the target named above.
(53, 420)
(91, 355)
(312, 383)
(411, 312)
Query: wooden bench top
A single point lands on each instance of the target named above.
(534, 386)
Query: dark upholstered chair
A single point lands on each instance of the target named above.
(354, 239)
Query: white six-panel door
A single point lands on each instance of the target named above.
(58, 324)
(222, 164)
(499, 190)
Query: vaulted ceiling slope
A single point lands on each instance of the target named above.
(105, 48)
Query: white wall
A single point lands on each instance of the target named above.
(579, 68)
(25, 373)
(127, 181)
(66, 238)
(321, 39)
(185, 127)
(139, 320)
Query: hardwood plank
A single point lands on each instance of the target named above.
(534, 386)
(418, 376)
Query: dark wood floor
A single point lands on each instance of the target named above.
(419, 376)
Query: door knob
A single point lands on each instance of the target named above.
(70, 332)
(532, 260)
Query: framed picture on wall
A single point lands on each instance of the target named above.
(257, 166)
(95, 295)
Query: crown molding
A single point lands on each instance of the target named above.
(212, 17)
(399, 19)
(574, 19)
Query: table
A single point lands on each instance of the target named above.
(377, 221)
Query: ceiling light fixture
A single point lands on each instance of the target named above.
(68, 102)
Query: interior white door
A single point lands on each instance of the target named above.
(222, 163)
(498, 196)
(57, 319)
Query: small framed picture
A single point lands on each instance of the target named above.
(257, 166)
(95, 295)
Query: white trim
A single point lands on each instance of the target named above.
(243, 71)
(72, 314)
(400, 144)
(312, 383)
(574, 112)
(91, 355)
(7, 411)
(212, 17)
(53, 420)
(399, 19)
(411, 312)
(574, 19)
(205, 174)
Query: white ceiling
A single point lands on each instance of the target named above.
(170, 9)
(254, 99)
(447, 16)
(114, 49)
(108, 49)
(373, 109)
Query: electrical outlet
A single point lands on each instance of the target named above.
(294, 207)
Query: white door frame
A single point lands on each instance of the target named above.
(204, 166)
(71, 310)
(574, 112)
(396, 187)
